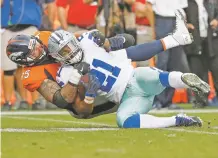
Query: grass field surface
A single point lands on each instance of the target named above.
(55, 134)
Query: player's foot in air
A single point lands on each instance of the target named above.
(184, 120)
(181, 33)
(200, 88)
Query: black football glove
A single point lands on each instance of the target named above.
(82, 67)
(99, 38)
(121, 41)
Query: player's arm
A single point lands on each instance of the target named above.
(117, 42)
(61, 97)
(66, 97)
(85, 99)
(83, 108)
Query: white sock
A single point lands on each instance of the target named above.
(149, 121)
(169, 42)
(175, 80)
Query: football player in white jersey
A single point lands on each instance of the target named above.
(112, 76)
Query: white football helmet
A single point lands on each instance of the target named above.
(64, 47)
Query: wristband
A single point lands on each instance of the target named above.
(89, 100)
(72, 84)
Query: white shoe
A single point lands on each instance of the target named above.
(181, 33)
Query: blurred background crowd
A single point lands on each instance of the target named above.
(146, 20)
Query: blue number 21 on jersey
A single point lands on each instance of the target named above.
(111, 79)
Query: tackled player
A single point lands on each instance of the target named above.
(111, 75)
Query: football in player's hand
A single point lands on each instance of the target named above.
(89, 84)
(84, 80)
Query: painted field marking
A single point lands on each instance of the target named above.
(107, 125)
(62, 121)
(26, 130)
(67, 113)
(190, 131)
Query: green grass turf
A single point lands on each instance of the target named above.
(120, 143)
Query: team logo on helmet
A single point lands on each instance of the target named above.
(15, 56)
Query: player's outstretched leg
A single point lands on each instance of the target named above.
(149, 121)
(180, 36)
(138, 98)
(132, 113)
(153, 81)
(186, 80)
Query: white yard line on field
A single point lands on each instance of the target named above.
(166, 111)
(87, 129)
(215, 127)
(34, 113)
(25, 130)
(67, 113)
(62, 121)
(190, 131)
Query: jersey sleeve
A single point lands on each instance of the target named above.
(63, 75)
(33, 77)
(121, 54)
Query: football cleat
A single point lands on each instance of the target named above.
(184, 120)
(181, 33)
(200, 88)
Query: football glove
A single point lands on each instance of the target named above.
(82, 67)
(92, 86)
(121, 41)
(99, 38)
(74, 77)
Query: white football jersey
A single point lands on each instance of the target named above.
(113, 69)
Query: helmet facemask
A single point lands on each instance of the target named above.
(36, 51)
(65, 48)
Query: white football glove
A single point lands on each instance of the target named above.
(74, 76)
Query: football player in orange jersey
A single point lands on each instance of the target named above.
(40, 69)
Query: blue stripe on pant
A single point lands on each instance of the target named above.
(138, 96)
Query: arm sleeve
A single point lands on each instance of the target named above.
(36, 75)
(32, 86)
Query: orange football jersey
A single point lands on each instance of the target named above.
(43, 36)
(33, 76)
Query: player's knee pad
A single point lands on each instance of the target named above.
(9, 73)
(132, 121)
